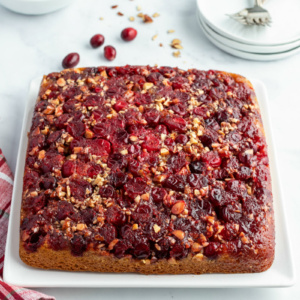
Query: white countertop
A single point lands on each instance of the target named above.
(31, 46)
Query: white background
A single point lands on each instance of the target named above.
(31, 46)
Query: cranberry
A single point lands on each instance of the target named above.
(197, 181)
(136, 186)
(76, 129)
(152, 143)
(162, 129)
(118, 179)
(128, 34)
(198, 167)
(201, 111)
(211, 251)
(48, 182)
(68, 168)
(178, 251)
(108, 232)
(158, 194)
(88, 216)
(141, 250)
(71, 60)
(110, 52)
(142, 214)
(175, 182)
(115, 216)
(175, 123)
(217, 196)
(120, 105)
(66, 209)
(152, 117)
(107, 191)
(176, 162)
(78, 245)
(212, 158)
(58, 241)
(181, 139)
(97, 40)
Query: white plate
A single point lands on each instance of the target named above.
(245, 54)
(16, 272)
(249, 48)
(285, 27)
(35, 7)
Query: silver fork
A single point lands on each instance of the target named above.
(255, 15)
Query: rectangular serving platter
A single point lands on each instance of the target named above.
(281, 273)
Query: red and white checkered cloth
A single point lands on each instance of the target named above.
(6, 186)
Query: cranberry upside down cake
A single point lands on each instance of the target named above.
(145, 169)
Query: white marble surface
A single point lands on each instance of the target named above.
(34, 45)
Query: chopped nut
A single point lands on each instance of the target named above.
(131, 19)
(80, 226)
(155, 15)
(41, 154)
(133, 138)
(145, 197)
(124, 152)
(198, 256)
(154, 37)
(196, 247)
(114, 6)
(164, 152)
(156, 228)
(170, 31)
(177, 46)
(147, 19)
(138, 8)
(135, 226)
(140, 15)
(61, 82)
(147, 85)
(112, 244)
(176, 53)
(89, 134)
(178, 207)
(137, 199)
(179, 234)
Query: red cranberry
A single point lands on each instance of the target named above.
(71, 60)
(78, 245)
(97, 40)
(128, 34)
(181, 139)
(110, 52)
(175, 182)
(158, 194)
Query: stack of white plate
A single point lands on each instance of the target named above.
(280, 40)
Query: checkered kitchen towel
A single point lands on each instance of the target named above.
(6, 186)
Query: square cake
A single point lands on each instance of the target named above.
(154, 170)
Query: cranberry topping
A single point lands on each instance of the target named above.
(147, 163)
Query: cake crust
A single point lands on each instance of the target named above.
(148, 170)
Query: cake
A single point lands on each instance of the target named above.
(154, 170)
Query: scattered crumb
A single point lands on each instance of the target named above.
(155, 15)
(140, 15)
(160, 44)
(114, 6)
(147, 19)
(131, 19)
(120, 14)
(154, 37)
(176, 44)
(138, 8)
(101, 18)
(170, 31)
(176, 54)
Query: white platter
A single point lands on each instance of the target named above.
(245, 54)
(285, 27)
(16, 272)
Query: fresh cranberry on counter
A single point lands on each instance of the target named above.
(128, 34)
(71, 60)
(110, 52)
(97, 40)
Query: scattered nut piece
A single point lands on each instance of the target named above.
(147, 19)
(135, 226)
(154, 37)
(176, 53)
(170, 31)
(61, 82)
(140, 15)
(80, 226)
(114, 6)
(131, 19)
(120, 14)
(147, 85)
(160, 44)
(124, 151)
(155, 15)
(164, 151)
(138, 8)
